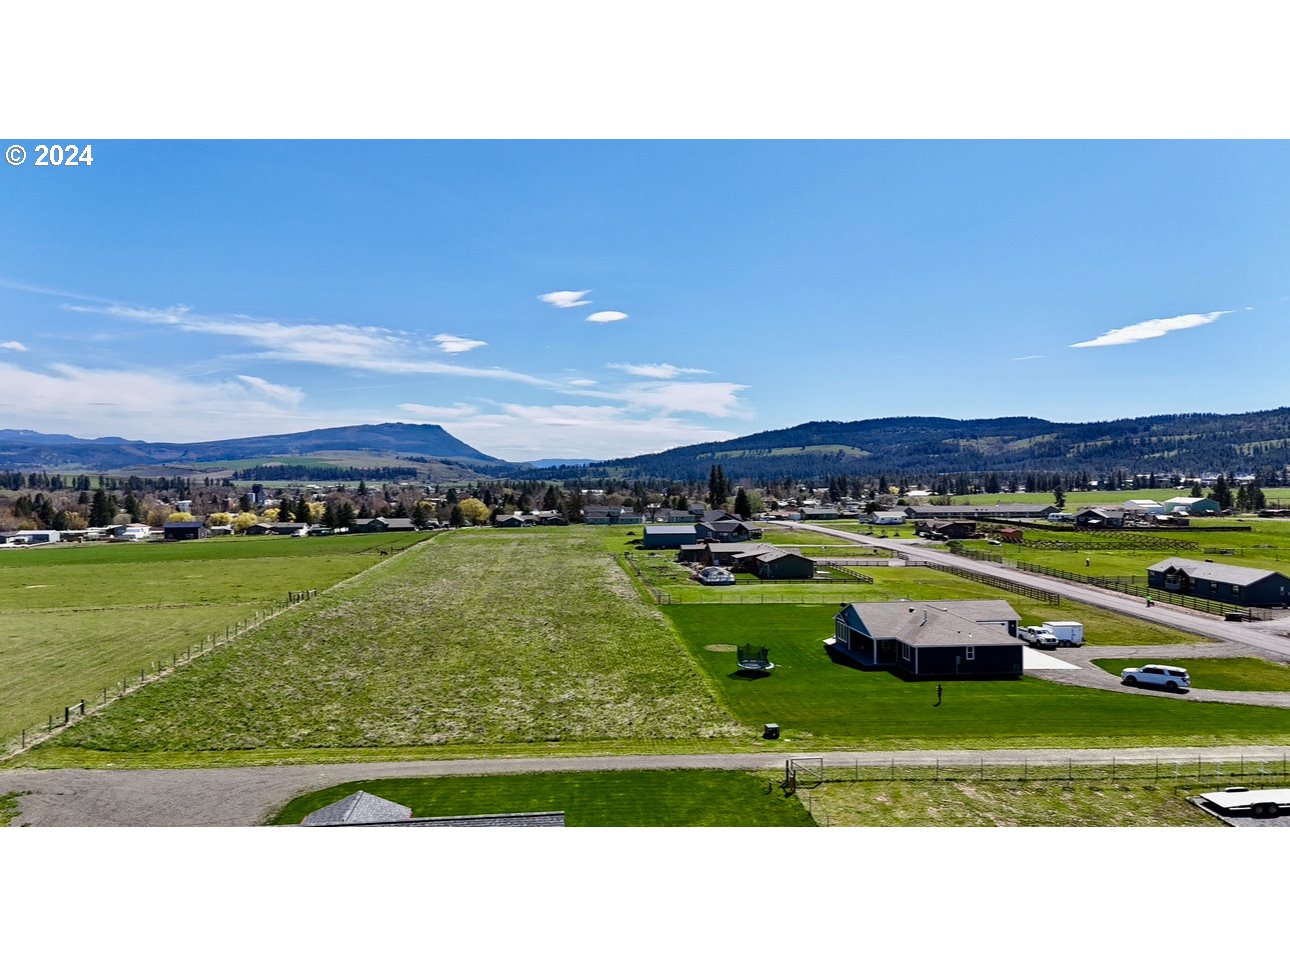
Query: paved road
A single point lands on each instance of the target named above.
(1269, 639)
(248, 796)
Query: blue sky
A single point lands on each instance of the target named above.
(200, 290)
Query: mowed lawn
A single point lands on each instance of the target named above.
(478, 637)
(78, 619)
(678, 797)
(812, 697)
(1224, 674)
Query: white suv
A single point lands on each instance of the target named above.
(1167, 676)
(1038, 636)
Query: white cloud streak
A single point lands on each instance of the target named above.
(1151, 329)
(566, 299)
(336, 345)
(606, 317)
(13, 346)
(458, 412)
(655, 370)
(283, 394)
(457, 344)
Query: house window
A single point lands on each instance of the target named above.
(971, 652)
(1236, 590)
(905, 651)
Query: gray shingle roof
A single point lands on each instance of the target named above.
(937, 622)
(361, 807)
(1205, 571)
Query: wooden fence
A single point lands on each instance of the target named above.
(1003, 584)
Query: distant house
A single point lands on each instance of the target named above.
(1143, 506)
(549, 518)
(39, 536)
(889, 518)
(1192, 506)
(1103, 517)
(513, 520)
(187, 530)
(940, 639)
(601, 514)
(1239, 586)
(670, 515)
(668, 536)
(1012, 535)
(722, 530)
(379, 525)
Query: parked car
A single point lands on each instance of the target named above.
(1165, 676)
(1037, 636)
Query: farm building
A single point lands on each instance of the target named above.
(946, 530)
(1240, 586)
(782, 565)
(725, 555)
(1012, 535)
(1144, 506)
(931, 638)
(819, 513)
(40, 536)
(186, 530)
(957, 511)
(668, 536)
(1104, 517)
(1193, 506)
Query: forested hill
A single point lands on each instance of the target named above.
(1187, 442)
(26, 450)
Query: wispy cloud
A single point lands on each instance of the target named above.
(655, 370)
(566, 299)
(457, 344)
(710, 399)
(525, 432)
(336, 345)
(458, 412)
(582, 382)
(1022, 359)
(603, 317)
(13, 346)
(1151, 329)
(285, 394)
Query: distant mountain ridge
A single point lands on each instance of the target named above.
(931, 445)
(26, 449)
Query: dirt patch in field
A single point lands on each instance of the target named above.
(721, 647)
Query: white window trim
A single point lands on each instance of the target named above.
(971, 653)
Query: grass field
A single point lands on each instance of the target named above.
(890, 584)
(813, 698)
(1224, 674)
(1037, 802)
(637, 798)
(75, 620)
(479, 637)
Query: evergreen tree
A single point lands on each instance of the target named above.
(743, 506)
(1059, 497)
(100, 511)
(456, 518)
(1195, 489)
(1221, 493)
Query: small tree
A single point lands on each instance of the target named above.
(1222, 493)
(743, 506)
(473, 510)
(242, 521)
(1059, 497)
(1195, 489)
(456, 518)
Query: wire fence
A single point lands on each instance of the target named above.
(68, 715)
(991, 580)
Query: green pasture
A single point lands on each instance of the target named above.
(1224, 674)
(815, 699)
(1101, 627)
(678, 797)
(481, 637)
(80, 619)
(1033, 797)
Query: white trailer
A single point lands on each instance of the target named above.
(1066, 632)
(1256, 802)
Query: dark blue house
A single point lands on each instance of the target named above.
(935, 639)
(1244, 587)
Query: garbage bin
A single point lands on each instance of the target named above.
(771, 731)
